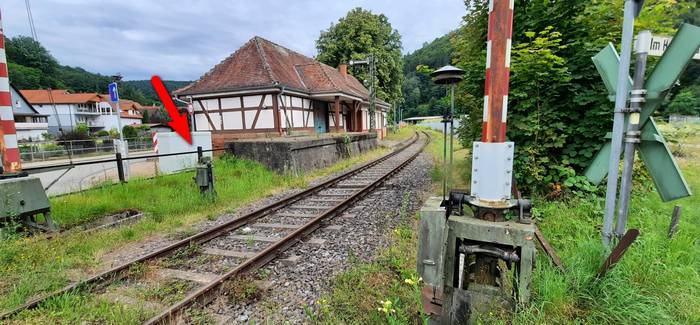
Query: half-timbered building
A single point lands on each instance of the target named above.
(265, 90)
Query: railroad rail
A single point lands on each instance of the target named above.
(324, 200)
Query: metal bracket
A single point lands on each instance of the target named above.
(525, 216)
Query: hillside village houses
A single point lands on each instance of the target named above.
(67, 110)
(30, 124)
(266, 90)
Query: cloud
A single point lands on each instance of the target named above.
(182, 40)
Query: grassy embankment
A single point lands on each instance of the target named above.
(657, 281)
(30, 266)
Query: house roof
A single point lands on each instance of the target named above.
(20, 105)
(41, 96)
(149, 108)
(127, 105)
(260, 63)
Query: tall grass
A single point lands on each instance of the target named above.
(170, 195)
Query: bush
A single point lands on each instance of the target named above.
(102, 133)
(79, 133)
(129, 132)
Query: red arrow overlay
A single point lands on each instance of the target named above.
(177, 122)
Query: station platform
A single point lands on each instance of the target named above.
(304, 152)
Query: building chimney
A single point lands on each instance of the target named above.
(343, 68)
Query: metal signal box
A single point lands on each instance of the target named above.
(204, 176)
(470, 264)
(22, 199)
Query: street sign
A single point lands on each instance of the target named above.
(659, 44)
(653, 150)
(113, 93)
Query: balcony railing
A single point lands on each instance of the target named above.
(87, 111)
(31, 126)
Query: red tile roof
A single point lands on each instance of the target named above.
(42, 96)
(261, 63)
(127, 105)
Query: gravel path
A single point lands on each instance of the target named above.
(293, 283)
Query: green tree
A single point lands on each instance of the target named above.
(687, 102)
(539, 80)
(359, 34)
(26, 51)
(419, 88)
(25, 77)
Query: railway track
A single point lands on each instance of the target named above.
(250, 241)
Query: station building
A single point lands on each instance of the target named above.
(267, 90)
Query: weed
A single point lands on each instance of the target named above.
(128, 233)
(137, 270)
(242, 289)
(168, 293)
(264, 274)
(250, 241)
(198, 316)
(181, 255)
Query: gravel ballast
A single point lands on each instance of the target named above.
(294, 282)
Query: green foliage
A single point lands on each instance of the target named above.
(27, 52)
(102, 133)
(558, 108)
(144, 117)
(420, 93)
(358, 34)
(81, 132)
(539, 80)
(23, 76)
(129, 132)
(687, 102)
(145, 87)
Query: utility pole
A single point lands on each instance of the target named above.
(631, 11)
(633, 134)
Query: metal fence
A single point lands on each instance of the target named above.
(56, 150)
(684, 119)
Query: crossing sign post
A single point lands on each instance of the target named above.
(653, 150)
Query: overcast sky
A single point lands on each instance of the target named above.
(181, 40)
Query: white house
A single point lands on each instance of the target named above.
(29, 123)
(66, 110)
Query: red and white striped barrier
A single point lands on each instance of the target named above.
(498, 49)
(155, 142)
(8, 133)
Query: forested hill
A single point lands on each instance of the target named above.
(422, 96)
(147, 89)
(31, 66)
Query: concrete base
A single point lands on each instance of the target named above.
(305, 153)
